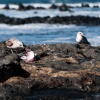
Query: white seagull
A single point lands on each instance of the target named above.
(14, 43)
(29, 56)
(81, 39)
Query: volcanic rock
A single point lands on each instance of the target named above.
(64, 7)
(6, 7)
(85, 5)
(77, 20)
(53, 6)
(21, 6)
(58, 71)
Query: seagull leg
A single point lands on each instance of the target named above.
(77, 45)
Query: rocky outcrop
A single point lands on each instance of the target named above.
(53, 6)
(62, 7)
(57, 72)
(77, 20)
(85, 5)
(21, 7)
(29, 7)
(6, 7)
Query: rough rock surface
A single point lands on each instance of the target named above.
(77, 20)
(21, 7)
(58, 72)
(62, 7)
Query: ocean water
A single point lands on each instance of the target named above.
(51, 12)
(46, 1)
(49, 33)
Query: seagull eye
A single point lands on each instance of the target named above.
(81, 33)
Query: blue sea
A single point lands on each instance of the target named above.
(49, 33)
(46, 1)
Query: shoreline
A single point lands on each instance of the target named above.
(71, 68)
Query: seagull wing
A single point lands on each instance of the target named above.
(84, 40)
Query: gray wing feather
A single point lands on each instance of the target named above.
(84, 40)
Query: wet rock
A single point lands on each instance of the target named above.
(71, 68)
(40, 8)
(64, 7)
(78, 20)
(53, 6)
(8, 59)
(85, 5)
(2, 45)
(95, 6)
(29, 7)
(21, 6)
(6, 7)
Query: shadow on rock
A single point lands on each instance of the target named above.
(12, 70)
(58, 94)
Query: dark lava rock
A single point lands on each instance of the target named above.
(95, 6)
(6, 7)
(77, 20)
(58, 71)
(40, 8)
(21, 6)
(29, 7)
(24, 8)
(53, 6)
(64, 7)
(85, 5)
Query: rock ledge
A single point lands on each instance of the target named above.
(58, 71)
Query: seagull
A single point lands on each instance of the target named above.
(29, 56)
(81, 39)
(14, 43)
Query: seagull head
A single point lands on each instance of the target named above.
(79, 37)
(80, 33)
(14, 43)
